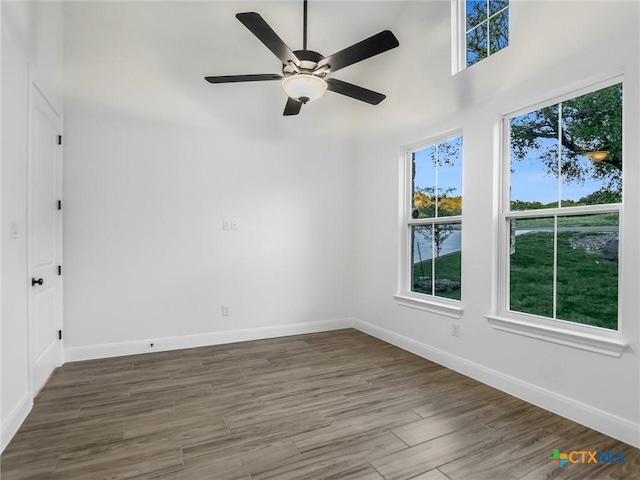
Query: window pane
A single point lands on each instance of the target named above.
(447, 240)
(587, 281)
(531, 266)
(592, 148)
(499, 31)
(437, 180)
(534, 160)
(476, 12)
(424, 183)
(436, 255)
(477, 44)
(497, 5)
(422, 255)
(590, 144)
(450, 177)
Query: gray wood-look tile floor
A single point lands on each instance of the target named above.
(333, 405)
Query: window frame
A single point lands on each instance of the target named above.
(405, 296)
(565, 332)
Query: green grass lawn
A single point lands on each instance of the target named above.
(588, 220)
(447, 266)
(587, 284)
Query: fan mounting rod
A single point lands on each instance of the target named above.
(304, 25)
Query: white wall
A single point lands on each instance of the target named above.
(554, 47)
(156, 158)
(31, 35)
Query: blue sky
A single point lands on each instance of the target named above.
(449, 175)
(531, 182)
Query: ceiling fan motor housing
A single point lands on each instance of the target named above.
(308, 63)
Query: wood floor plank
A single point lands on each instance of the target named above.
(180, 427)
(333, 462)
(345, 430)
(218, 469)
(122, 460)
(19, 462)
(336, 405)
(438, 425)
(426, 456)
(434, 474)
(40, 417)
(276, 420)
(123, 409)
(504, 460)
(71, 434)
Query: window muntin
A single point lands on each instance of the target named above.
(562, 210)
(486, 28)
(435, 216)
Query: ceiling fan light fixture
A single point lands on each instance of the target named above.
(304, 87)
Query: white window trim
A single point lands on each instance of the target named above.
(441, 307)
(585, 337)
(458, 36)
(405, 296)
(597, 342)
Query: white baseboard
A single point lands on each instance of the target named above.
(11, 425)
(594, 418)
(91, 352)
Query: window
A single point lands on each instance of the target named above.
(561, 210)
(485, 25)
(433, 219)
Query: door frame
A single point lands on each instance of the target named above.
(38, 86)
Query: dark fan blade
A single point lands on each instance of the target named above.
(354, 91)
(243, 78)
(375, 45)
(266, 35)
(293, 107)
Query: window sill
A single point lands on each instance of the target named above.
(612, 347)
(429, 305)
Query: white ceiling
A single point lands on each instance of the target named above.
(150, 57)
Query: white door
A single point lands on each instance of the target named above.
(45, 238)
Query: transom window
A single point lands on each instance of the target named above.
(434, 218)
(561, 210)
(486, 28)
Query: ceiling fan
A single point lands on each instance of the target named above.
(304, 71)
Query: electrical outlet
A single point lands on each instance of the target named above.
(455, 329)
(225, 310)
(226, 224)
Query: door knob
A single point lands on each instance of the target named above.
(35, 282)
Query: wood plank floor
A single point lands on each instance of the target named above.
(334, 405)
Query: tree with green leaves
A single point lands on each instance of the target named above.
(591, 122)
(487, 28)
(424, 206)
